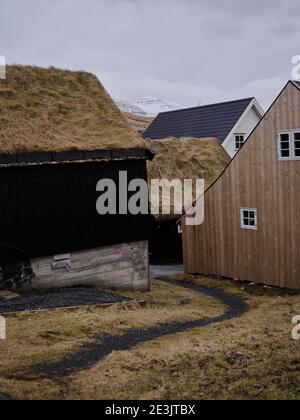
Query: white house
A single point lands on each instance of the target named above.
(230, 122)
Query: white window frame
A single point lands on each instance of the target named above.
(235, 140)
(248, 227)
(291, 134)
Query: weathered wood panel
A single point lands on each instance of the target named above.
(254, 179)
(121, 267)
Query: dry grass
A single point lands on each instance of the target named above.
(58, 110)
(37, 337)
(187, 159)
(139, 123)
(252, 357)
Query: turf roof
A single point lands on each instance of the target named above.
(59, 110)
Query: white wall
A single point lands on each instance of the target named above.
(246, 127)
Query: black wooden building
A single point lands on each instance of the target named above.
(48, 203)
(60, 134)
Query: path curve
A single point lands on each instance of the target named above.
(104, 344)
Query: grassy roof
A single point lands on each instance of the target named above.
(187, 159)
(138, 122)
(59, 110)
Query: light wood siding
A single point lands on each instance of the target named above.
(254, 179)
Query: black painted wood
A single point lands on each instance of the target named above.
(51, 209)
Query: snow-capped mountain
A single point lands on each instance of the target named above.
(147, 106)
(153, 106)
(126, 106)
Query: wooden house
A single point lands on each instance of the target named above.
(251, 229)
(229, 122)
(60, 133)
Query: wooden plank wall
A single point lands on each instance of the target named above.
(120, 267)
(254, 179)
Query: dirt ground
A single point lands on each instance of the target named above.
(251, 356)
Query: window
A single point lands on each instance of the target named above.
(289, 145)
(249, 219)
(239, 141)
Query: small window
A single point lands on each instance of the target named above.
(289, 145)
(249, 219)
(239, 141)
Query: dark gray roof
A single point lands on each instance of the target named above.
(297, 84)
(215, 120)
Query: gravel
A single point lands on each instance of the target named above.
(59, 298)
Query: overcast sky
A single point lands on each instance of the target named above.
(187, 51)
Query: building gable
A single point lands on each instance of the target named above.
(256, 180)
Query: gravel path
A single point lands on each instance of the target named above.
(158, 271)
(58, 298)
(104, 344)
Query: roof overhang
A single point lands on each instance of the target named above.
(76, 156)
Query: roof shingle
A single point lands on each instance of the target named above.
(215, 120)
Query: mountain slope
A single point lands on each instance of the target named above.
(153, 106)
(130, 108)
(147, 106)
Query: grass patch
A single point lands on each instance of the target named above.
(138, 122)
(186, 159)
(252, 357)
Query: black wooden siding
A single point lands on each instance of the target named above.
(51, 209)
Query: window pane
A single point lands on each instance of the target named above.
(297, 136)
(252, 215)
(239, 141)
(285, 153)
(285, 146)
(285, 137)
(246, 222)
(297, 152)
(297, 144)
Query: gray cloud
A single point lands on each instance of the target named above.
(182, 50)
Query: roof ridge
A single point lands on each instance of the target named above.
(296, 83)
(208, 105)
